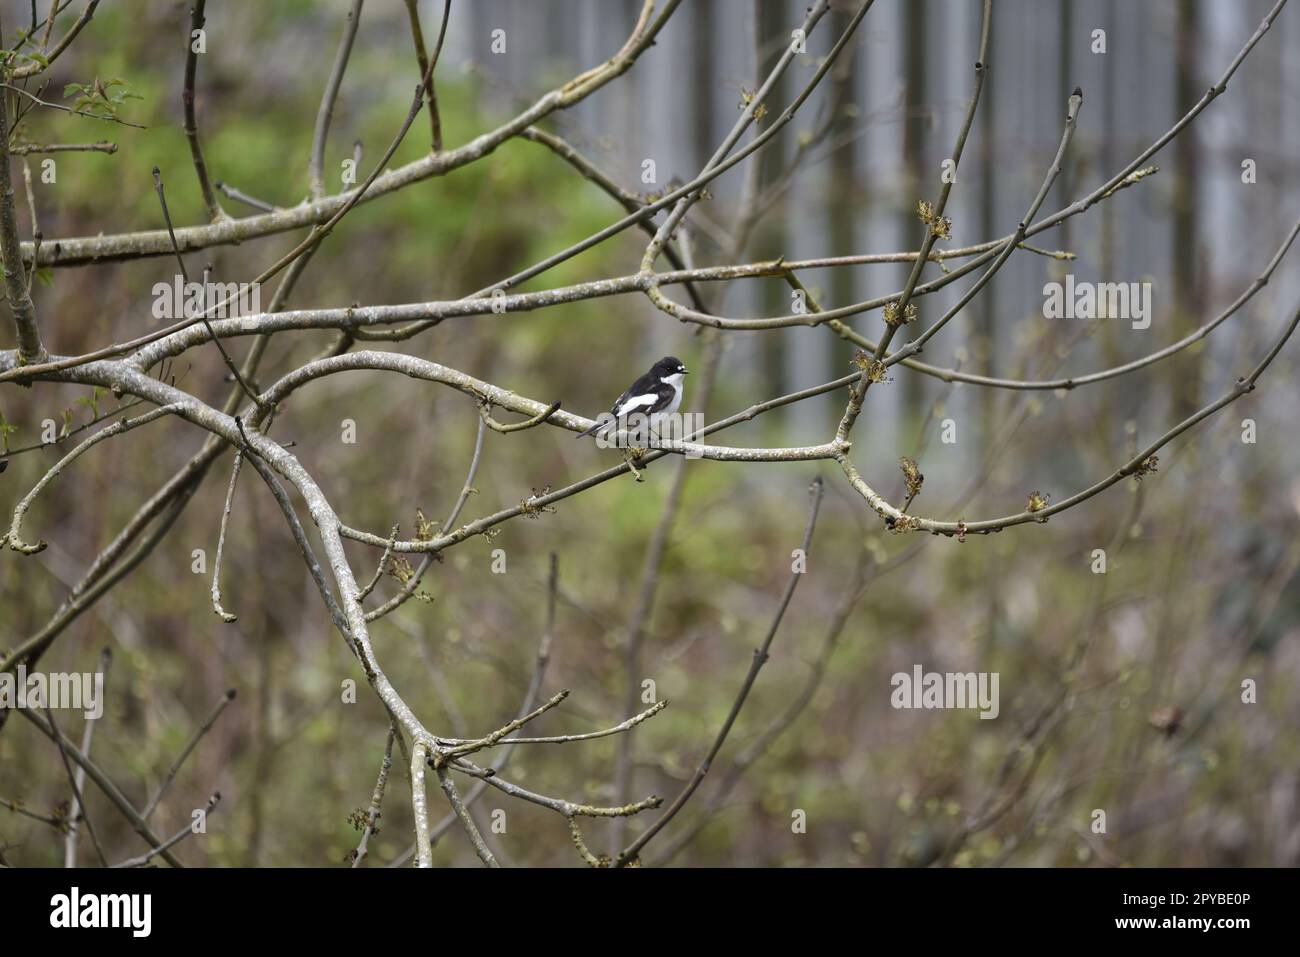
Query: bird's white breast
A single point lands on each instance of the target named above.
(674, 380)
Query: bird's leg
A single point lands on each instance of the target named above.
(631, 456)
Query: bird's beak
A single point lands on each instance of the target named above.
(686, 372)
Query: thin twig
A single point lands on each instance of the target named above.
(31, 69)
(376, 799)
(215, 213)
(242, 197)
(224, 615)
(77, 800)
(37, 101)
(180, 261)
(14, 535)
(622, 726)
(422, 60)
(467, 489)
(1243, 386)
(31, 215)
(559, 805)
(103, 146)
(316, 165)
(934, 228)
(382, 569)
(19, 808)
(458, 748)
(530, 698)
(79, 777)
(17, 290)
(485, 412)
(462, 814)
(630, 853)
(203, 729)
(175, 839)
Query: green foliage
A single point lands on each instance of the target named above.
(7, 429)
(91, 402)
(11, 58)
(102, 98)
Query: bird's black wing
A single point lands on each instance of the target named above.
(652, 393)
(645, 385)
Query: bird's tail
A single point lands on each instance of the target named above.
(595, 428)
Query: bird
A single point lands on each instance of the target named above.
(657, 393)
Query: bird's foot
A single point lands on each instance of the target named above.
(631, 457)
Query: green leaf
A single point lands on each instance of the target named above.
(6, 430)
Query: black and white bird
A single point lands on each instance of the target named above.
(657, 393)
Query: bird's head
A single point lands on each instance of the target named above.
(670, 366)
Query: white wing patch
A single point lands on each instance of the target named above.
(635, 402)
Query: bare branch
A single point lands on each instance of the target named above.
(79, 777)
(215, 213)
(30, 348)
(315, 167)
(31, 69)
(14, 535)
(102, 782)
(376, 800)
(630, 853)
(172, 771)
(186, 831)
(224, 615)
(103, 146)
